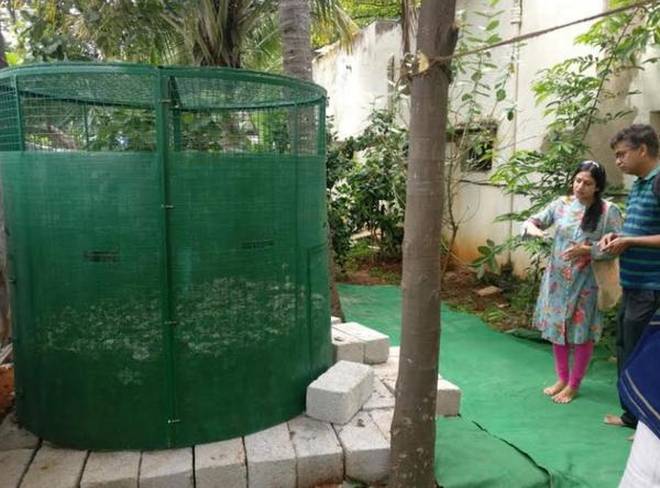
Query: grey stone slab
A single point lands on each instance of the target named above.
(340, 392)
(116, 469)
(271, 459)
(376, 344)
(319, 456)
(383, 420)
(221, 465)
(395, 351)
(387, 371)
(381, 397)
(366, 450)
(12, 466)
(345, 347)
(12, 436)
(172, 468)
(448, 399)
(55, 467)
(390, 384)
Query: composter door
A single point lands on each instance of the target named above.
(85, 260)
(240, 341)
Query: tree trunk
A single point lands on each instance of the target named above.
(5, 326)
(413, 427)
(335, 302)
(3, 57)
(295, 24)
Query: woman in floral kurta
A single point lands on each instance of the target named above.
(567, 310)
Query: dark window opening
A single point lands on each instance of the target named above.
(474, 146)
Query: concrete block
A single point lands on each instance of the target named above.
(448, 400)
(12, 436)
(340, 392)
(271, 460)
(383, 420)
(381, 397)
(319, 456)
(346, 347)
(54, 466)
(171, 468)
(117, 469)
(335, 320)
(390, 384)
(366, 450)
(388, 370)
(395, 351)
(221, 465)
(12, 466)
(376, 345)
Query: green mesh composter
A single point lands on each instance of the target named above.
(167, 250)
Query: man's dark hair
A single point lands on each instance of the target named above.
(635, 136)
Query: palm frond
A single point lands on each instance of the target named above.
(331, 22)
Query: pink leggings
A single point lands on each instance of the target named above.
(581, 357)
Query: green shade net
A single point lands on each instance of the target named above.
(167, 248)
(509, 434)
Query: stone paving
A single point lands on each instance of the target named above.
(302, 453)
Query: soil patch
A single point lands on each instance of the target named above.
(6, 389)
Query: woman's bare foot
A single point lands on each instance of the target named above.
(554, 389)
(613, 420)
(565, 396)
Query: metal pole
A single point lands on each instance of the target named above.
(162, 104)
(19, 115)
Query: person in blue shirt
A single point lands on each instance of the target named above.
(638, 245)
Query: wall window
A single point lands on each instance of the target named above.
(474, 146)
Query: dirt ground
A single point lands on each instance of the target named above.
(459, 290)
(6, 389)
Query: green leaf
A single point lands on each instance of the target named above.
(492, 25)
(13, 58)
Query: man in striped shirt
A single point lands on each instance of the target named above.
(636, 152)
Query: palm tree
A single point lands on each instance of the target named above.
(4, 302)
(237, 33)
(222, 32)
(295, 25)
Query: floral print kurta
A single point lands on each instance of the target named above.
(567, 307)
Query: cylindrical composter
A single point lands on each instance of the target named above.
(166, 233)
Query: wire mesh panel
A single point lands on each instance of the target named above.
(167, 249)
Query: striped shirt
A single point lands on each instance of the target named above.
(640, 266)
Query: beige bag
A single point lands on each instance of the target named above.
(607, 279)
(606, 273)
